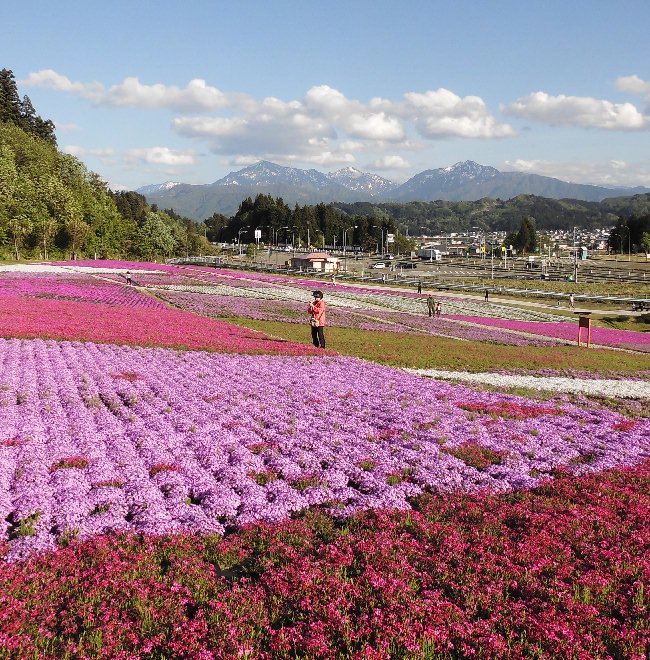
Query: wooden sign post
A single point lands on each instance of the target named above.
(584, 321)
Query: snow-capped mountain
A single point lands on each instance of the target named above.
(463, 181)
(265, 173)
(157, 187)
(446, 179)
(355, 179)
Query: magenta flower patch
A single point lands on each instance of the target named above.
(209, 442)
(639, 341)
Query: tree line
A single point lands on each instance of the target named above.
(320, 226)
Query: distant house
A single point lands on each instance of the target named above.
(320, 261)
(458, 250)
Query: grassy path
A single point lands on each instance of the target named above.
(430, 352)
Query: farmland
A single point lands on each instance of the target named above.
(182, 474)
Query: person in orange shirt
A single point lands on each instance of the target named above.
(316, 311)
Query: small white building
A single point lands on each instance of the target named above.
(430, 252)
(320, 261)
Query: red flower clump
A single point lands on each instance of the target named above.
(162, 467)
(510, 409)
(625, 425)
(558, 572)
(11, 442)
(131, 376)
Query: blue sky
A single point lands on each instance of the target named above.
(145, 92)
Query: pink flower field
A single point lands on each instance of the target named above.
(175, 486)
(637, 341)
(144, 325)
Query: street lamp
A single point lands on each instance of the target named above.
(345, 254)
(629, 251)
(492, 255)
(381, 233)
(575, 257)
(239, 233)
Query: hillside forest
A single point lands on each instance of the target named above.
(53, 207)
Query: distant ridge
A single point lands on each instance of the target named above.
(465, 181)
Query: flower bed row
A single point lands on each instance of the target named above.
(638, 341)
(204, 278)
(140, 326)
(262, 307)
(559, 572)
(76, 287)
(97, 437)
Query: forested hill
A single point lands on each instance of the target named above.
(52, 207)
(502, 215)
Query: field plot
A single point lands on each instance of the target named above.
(88, 308)
(626, 339)
(209, 442)
(172, 485)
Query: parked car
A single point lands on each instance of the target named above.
(407, 264)
(379, 264)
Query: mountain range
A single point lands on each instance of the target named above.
(463, 181)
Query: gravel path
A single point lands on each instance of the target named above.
(627, 389)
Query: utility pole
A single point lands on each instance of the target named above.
(575, 257)
(492, 255)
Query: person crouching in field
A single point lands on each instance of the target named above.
(316, 311)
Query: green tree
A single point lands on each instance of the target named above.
(645, 242)
(22, 113)
(10, 105)
(525, 239)
(215, 227)
(154, 239)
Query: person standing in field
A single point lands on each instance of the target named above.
(571, 301)
(128, 277)
(438, 309)
(419, 286)
(487, 295)
(431, 305)
(316, 311)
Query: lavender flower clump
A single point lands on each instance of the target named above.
(97, 438)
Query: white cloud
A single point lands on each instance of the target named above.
(390, 163)
(329, 159)
(441, 113)
(377, 126)
(195, 96)
(632, 84)
(604, 173)
(578, 111)
(328, 101)
(322, 127)
(160, 156)
(50, 79)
